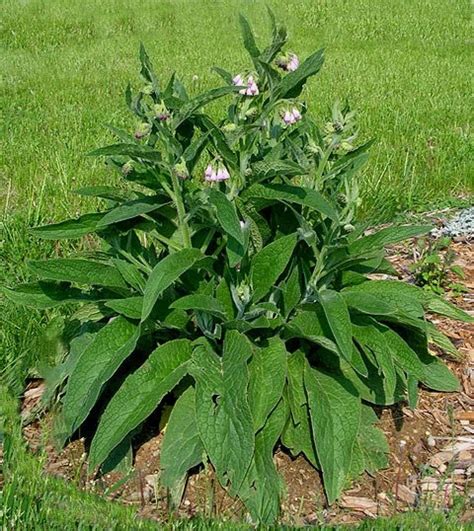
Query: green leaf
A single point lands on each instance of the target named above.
(248, 37)
(292, 84)
(293, 194)
(339, 320)
(44, 295)
(139, 395)
(292, 292)
(443, 342)
(335, 418)
(182, 448)
(130, 306)
(386, 236)
(227, 215)
(441, 306)
(78, 270)
(104, 192)
(203, 99)
(222, 409)
(200, 303)
(263, 487)
(71, 228)
(129, 210)
(367, 303)
(267, 371)
(297, 436)
(164, 274)
(128, 150)
(96, 365)
(269, 263)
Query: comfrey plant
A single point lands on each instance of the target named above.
(233, 282)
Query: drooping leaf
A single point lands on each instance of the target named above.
(139, 395)
(78, 270)
(263, 486)
(129, 307)
(71, 228)
(312, 325)
(104, 192)
(164, 274)
(292, 84)
(129, 210)
(386, 236)
(335, 418)
(267, 371)
(182, 448)
(297, 436)
(269, 263)
(222, 408)
(44, 295)
(227, 215)
(367, 303)
(293, 194)
(338, 317)
(201, 303)
(96, 365)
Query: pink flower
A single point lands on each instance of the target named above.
(239, 82)
(210, 173)
(252, 87)
(288, 118)
(222, 174)
(293, 63)
(296, 114)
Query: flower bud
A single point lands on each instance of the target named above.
(252, 87)
(288, 62)
(229, 128)
(148, 89)
(127, 168)
(142, 130)
(181, 170)
(161, 112)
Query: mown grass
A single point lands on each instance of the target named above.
(404, 65)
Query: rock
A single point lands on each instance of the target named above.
(358, 503)
(152, 480)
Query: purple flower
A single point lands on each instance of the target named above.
(212, 175)
(288, 118)
(222, 174)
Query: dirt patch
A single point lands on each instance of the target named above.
(431, 448)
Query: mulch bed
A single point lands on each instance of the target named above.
(431, 448)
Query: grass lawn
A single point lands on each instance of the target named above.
(404, 65)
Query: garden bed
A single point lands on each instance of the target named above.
(431, 448)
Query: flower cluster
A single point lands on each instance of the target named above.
(221, 174)
(161, 112)
(252, 87)
(142, 130)
(291, 116)
(289, 62)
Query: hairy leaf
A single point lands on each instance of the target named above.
(96, 365)
(386, 236)
(71, 228)
(139, 395)
(201, 303)
(269, 263)
(339, 320)
(164, 274)
(227, 215)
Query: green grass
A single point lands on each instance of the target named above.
(404, 66)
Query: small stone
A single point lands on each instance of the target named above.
(429, 487)
(464, 455)
(405, 494)
(431, 441)
(152, 480)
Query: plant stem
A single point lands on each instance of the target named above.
(181, 212)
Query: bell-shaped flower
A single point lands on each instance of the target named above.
(288, 118)
(293, 63)
(222, 174)
(252, 87)
(210, 173)
(296, 114)
(239, 82)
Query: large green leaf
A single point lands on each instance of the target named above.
(130, 306)
(293, 194)
(335, 418)
(292, 84)
(200, 303)
(96, 365)
(164, 274)
(227, 215)
(269, 263)
(337, 315)
(263, 486)
(71, 228)
(222, 410)
(367, 303)
(78, 270)
(297, 436)
(267, 371)
(139, 395)
(129, 210)
(44, 295)
(248, 37)
(313, 326)
(130, 150)
(182, 448)
(441, 306)
(386, 236)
